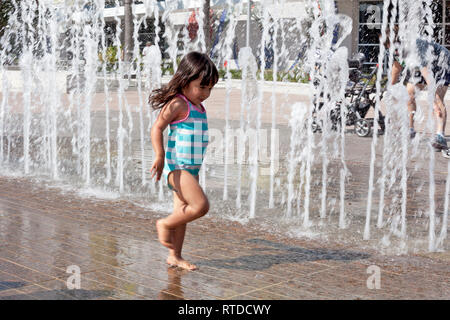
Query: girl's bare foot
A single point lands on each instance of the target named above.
(181, 263)
(163, 234)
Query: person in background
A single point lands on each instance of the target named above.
(425, 74)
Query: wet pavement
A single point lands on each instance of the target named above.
(44, 230)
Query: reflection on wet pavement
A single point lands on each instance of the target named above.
(174, 289)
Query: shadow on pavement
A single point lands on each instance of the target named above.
(6, 285)
(291, 254)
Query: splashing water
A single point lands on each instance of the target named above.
(73, 111)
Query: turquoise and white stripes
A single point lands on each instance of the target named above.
(187, 142)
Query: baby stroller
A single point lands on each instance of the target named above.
(360, 94)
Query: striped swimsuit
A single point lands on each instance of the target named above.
(188, 139)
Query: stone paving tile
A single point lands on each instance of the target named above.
(96, 253)
(248, 278)
(101, 283)
(13, 229)
(24, 272)
(91, 287)
(223, 239)
(285, 252)
(38, 264)
(343, 288)
(255, 278)
(108, 238)
(59, 249)
(69, 220)
(15, 294)
(49, 219)
(86, 236)
(265, 295)
(3, 286)
(39, 292)
(276, 264)
(58, 270)
(61, 259)
(323, 291)
(212, 286)
(57, 290)
(169, 284)
(21, 288)
(45, 205)
(92, 253)
(207, 281)
(107, 228)
(243, 297)
(403, 264)
(10, 281)
(156, 280)
(41, 222)
(157, 266)
(395, 281)
(122, 224)
(391, 285)
(299, 292)
(113, 278)
(251, 279)
(86, 264)
(435, 277)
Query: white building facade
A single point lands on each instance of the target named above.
(364, 13)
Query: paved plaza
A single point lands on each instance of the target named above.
(115, 246)
(46, 231)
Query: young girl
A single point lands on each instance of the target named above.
(182, 109)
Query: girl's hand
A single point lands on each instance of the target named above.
(157, 168)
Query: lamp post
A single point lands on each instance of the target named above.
(248, 22)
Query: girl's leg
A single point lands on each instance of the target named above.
(177, 240)
(191, 203)
(172, 238)
(178, 233)
(175, 258)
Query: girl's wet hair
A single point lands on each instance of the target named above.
(194, 65)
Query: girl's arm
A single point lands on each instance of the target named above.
(169, 113)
